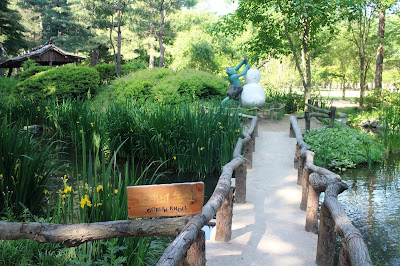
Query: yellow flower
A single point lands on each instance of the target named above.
(99, 187)
(108, 139)
(91, 124)
(77, 122)
(174, 157)
(116, 191)
(220, 127)
(46, 191)
(85, 201)
(219, 123)
(63, 196)
(67, 189)
(1, 176)
(100, 204)
(202, 148)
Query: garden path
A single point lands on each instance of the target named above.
(269, 228)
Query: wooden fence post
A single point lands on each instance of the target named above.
(196, 255)
(308, 120)
(312, 210)
(326, 238)
(240, 183)
(224, 219)
(300, 169)
(296, 157)
(308, 107)
(316, 104)
(248, 154)
(304, 190)
(332, 115)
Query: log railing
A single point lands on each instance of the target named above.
(317, 112)
(333, 219)
(189, 246)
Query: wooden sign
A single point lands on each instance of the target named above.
(165, 200)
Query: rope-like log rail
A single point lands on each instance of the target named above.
(72, 235)
(316, 109)
(314, 181)
(179, 247)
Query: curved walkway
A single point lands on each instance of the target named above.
(269, 228)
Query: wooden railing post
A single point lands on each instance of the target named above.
(304, 190)
(240, 183)
(332, 115)
(291, 132)
(308, 120)
(196, 255)
(300, 169)
(248, 154)
(308, 107)
(326, 238)
(296, 156)
(224, 219)
(253, 140)
(312, 210)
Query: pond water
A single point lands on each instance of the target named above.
(372, 203)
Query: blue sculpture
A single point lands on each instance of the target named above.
(236, 87)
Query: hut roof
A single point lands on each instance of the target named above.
(48, 54)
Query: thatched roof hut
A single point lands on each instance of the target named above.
(47, 55)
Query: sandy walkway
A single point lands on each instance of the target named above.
(269, 228)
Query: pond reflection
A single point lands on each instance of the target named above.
(373, 205)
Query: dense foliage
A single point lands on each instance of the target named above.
(169, 86)
(342, 147)
(108, 72)
(66, 81)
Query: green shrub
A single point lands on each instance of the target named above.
(63, 82)
(169, 86)
(31, 72)
(108, 72)
(342, 147)
(138, 85)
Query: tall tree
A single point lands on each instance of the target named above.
(11, 30)
(360, 15)
(283, 26)
(382, 6)
(154, 13)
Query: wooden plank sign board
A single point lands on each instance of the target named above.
(165, 200)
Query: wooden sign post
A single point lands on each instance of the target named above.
(165, 200)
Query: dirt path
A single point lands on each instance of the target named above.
(269, 228)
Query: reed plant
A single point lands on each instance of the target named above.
(98, 195)
(70, 117)
(391, 128)
(25, 167)
(188, 137)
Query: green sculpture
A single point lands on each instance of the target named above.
(236, 87)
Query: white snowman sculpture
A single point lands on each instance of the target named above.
(253, 93)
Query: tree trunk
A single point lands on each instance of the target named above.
(151, 59)
(40, 27)
(119, 40)
(344, 88)
(160, 36)
(380, 52)
(362, 80)
(296, 58)
(307, 60)
(94, 54)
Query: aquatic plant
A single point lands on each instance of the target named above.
(342, 147)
